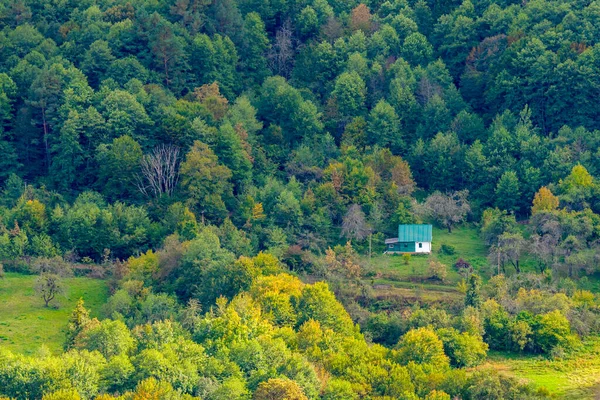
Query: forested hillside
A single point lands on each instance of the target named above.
(231, 169)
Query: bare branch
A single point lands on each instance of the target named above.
(159, 171)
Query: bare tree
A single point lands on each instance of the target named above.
(427, 90)
(545, 249)
(48, 286)
(55, 265)
(448, 210)
(332, 29)
(354, 224)
(512, 245)
(159, 171)
(570, 247)
(281, 55)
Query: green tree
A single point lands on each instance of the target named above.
(168, 50)
(577, 188)
(8, 92)
(384, 127)
(255, 44)
(463, 349)
(422, 346)
(318, 303)
(68, 154)
(473, 295)
(96, 61)
(552, 329)
(232, 148)
(350, 94)
(416, 49)
(46, 92)
(205, 180)
(125, 116)
(215, 60)
(508, 195)
(282, 105)
(119, 167)
(110, 338)
(80, 318)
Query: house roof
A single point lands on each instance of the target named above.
(390, 241)
(414, 233)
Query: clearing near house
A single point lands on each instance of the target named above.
(25, 324)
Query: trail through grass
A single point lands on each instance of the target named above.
(25, 324)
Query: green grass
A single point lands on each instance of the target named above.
(25, 324)
(575, 377)
(391, 278)
(465, 240)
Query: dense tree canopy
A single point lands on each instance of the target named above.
(202, 155)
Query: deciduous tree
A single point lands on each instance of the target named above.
(48, 286)
(449, 209)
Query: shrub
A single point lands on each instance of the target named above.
(432, 317)
(552, 329)
(437, 270)
(406, 258)
(448, 249)
(461, 265)
(20, 266)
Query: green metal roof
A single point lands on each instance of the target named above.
(414, 233)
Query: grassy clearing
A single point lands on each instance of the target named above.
(390, 277)
(391, 270)
(575, 377)
(25, 324)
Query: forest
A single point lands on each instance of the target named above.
(218, 178)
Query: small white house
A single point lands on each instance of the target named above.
(411, 239)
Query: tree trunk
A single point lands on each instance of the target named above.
(47, 147)
(166, 64)
(48, 299)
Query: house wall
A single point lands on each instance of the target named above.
(425, 247)
(402, 247)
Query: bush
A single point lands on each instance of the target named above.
(462, 265)
(19, 266)
(552, 329)
(437, 270)
(448, 249)
(406, 258)
(433, 317)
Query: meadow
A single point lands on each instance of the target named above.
(26, 325)
(576, 377)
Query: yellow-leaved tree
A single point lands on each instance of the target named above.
(544, 200)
